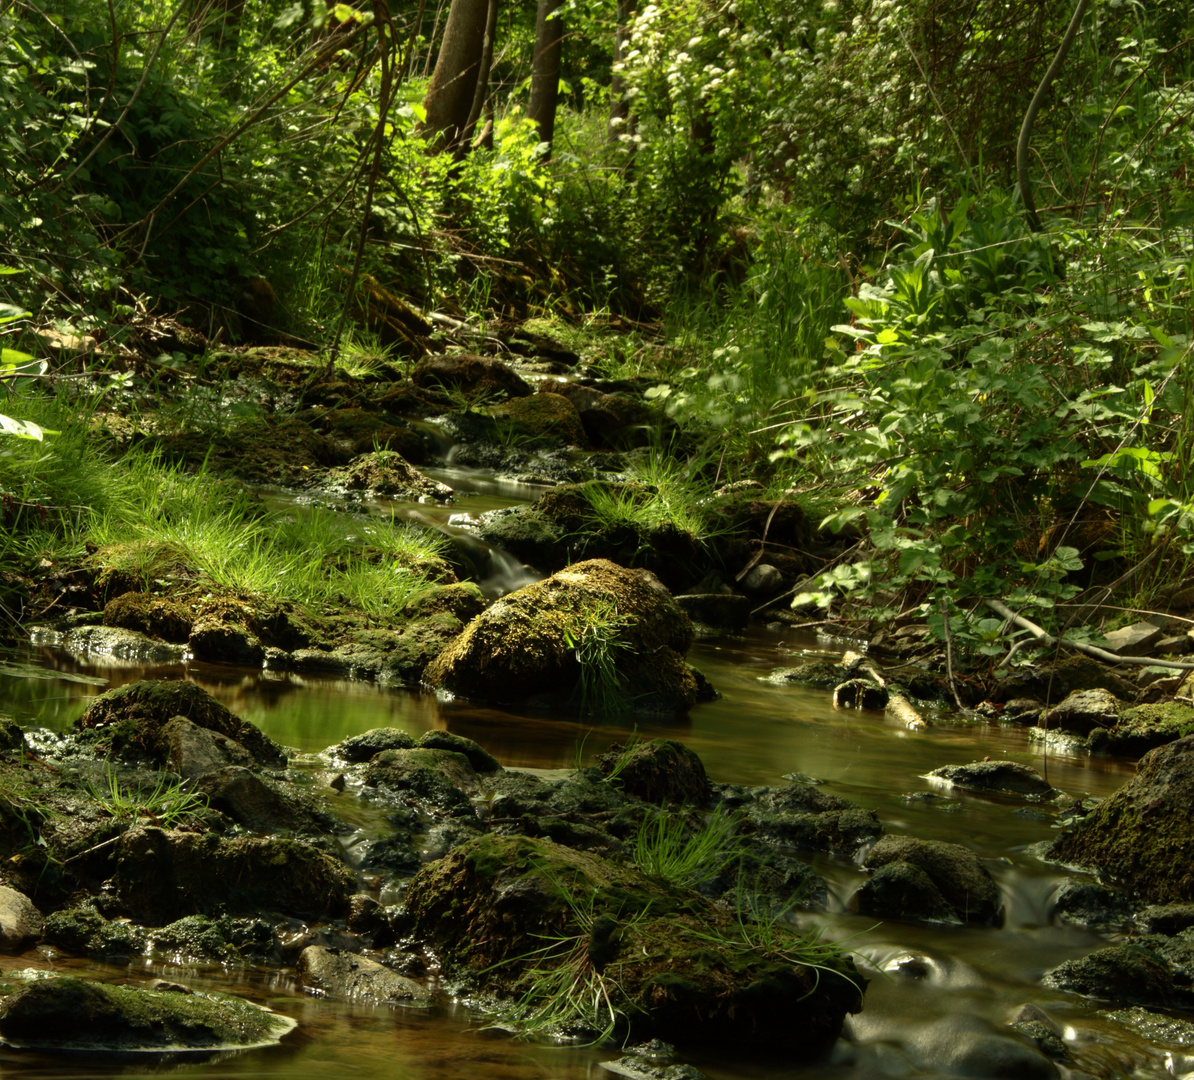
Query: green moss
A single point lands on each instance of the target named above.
(1144, 727)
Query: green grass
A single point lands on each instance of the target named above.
(594, 638)
(667, 848)
(167, 803)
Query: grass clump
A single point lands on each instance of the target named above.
(168, 804)
(668, 849)
(594, 636)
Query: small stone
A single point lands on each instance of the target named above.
(763, 579)
(20, 921)
(1135, 640)
(1083, 711)
(1010, 777)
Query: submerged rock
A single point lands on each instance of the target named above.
(1005, 777)
(671, 962)
(71, 1014)
(525, 646)
(1141, 837)
(134, 718)
(963, 884)
(341, 974)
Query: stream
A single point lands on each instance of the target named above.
(930, 986)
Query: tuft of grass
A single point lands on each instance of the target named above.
(594, 637)
(667, 848)
(168, 804)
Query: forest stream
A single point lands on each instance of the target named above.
(937, 984)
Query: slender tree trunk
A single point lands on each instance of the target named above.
(453, 84)
(545, 70)
(482, 93)
(619, 103)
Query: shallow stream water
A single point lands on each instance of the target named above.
(931, 989)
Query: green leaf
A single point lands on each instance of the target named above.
(23, 429)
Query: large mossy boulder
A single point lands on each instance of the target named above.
(503, 913)
(164, 875)
(1141, 837)
(630, 633)
(133, 719)
(71, 1014)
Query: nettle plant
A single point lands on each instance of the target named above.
(987, 423)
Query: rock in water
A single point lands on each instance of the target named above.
(1141, 836)
(595, 630)
(71, 1014)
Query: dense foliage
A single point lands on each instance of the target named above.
(815, 201)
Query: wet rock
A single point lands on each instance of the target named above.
(1038, 1027)
(132, 718)
(390, 855)
(358, 748)
(1083, 711)
(340, 974)
(1023, 710)
(259, 805)
(526, 534)
(956, 872)
(69, 1014)
(1166, 919)
(968, 1046)
(658, 771)
(524, 646)
(480, 759)
(83, 931)
(763, 579)
(1008, 777)
(1123, 974)
(901, 890)
(162, 876)
(488, 902)
(387, 473)
(224, 940)
(860, 694)
(20, 921)
(477, 376)
(1144, 728)
(541, 420)
(1087, 904)
(150, 615)
(192, 750)
(819, 674)
(438, 780)
(11, 735)
(1056, 681)
(121, 644)
(610, 421)
(802, 817)
(723, 611)
(1140, 837)
(219, 641)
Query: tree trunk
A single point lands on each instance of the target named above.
(619, 103)
(483, 75)
(545, 71)
(454, 82)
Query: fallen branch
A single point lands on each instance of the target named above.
(1045, 638)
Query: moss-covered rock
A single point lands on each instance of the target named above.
(132, 718)
(162, 876)
(151, 615)
(540, 420)
(525, 645)
(70, 1014)
(476, 376)
(1140, 729)
(658, 771)
(955, 872)
(672, 963)
(387, 473)
(1141, 837)
(803, 817)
